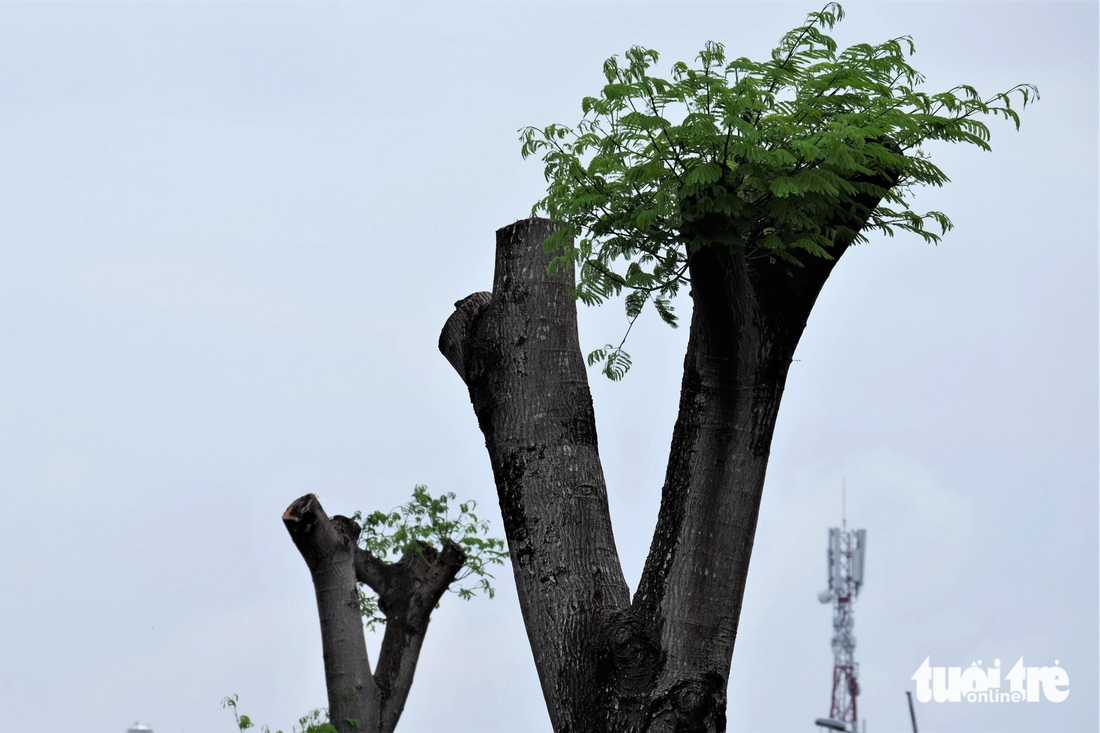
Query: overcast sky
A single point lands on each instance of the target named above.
(232, 232)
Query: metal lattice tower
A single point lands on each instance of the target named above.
(846, 556)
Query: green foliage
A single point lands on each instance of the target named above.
(428, 520)
(315, 721)
(778, 159)
(616, 362)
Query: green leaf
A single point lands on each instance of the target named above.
(703, 173)
(666, 311)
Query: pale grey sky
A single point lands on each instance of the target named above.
(232, 231)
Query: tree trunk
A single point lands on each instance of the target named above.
(361, 701)
(519, 354)
(661, 662)
(693, 582)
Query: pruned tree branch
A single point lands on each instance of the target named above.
(414, 586)
(329, 551)
(371, 571)
(452, 339)
(519, 355)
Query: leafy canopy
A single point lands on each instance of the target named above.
(765, 157)
(427, 520)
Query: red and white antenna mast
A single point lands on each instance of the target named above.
(846, 556)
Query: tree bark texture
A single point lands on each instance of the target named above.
(657, 663)
(408, 590)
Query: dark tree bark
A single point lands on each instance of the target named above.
(408, 591)
(659, 662)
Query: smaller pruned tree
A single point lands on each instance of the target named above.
(386, 569)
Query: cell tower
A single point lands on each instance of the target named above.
(847, 549)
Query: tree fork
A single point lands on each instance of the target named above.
(660, 663)
(607, 664)
(361, 701)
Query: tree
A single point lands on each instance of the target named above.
(746, 182)
(432, 551)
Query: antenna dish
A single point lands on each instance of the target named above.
(825, 596)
